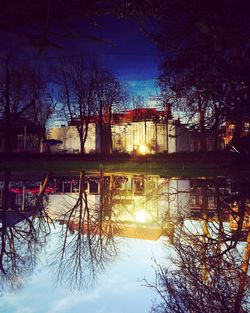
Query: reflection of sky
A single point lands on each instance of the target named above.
(119, 289)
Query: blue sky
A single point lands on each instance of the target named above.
(121, 47)
(118, 290)
(131, 56)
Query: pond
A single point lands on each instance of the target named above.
(124, 242)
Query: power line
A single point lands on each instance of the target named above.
(85, 54)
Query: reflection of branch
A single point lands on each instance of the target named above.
(210, 270)
(85, 248)
(243, 283)
(185, 288)
(20, 242)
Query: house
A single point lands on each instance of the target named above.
(142, 131)
(241, 141)
(147, 131)
(25, 136)
(218, 139)
(70, 138)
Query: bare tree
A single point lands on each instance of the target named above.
(77, 93)
(49, 25)
(91, 92)
(138, 102)
(43, 107)
(110, 96)
(22, 88)
(206, 52)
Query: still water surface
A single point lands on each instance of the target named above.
(120, 242)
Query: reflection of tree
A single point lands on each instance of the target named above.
(210, 266)
(22, 235)
(87, 240)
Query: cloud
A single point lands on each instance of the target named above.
(65, 304)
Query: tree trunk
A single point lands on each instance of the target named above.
(203, 145)
(109, 133)
(7, 123)
(101, 132)
(81, 137)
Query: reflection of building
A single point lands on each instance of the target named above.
(13, 217)
(136, 131)
(136, 205)
(235, 217)
(148, 198)
(128, 230)
(205, 196)
(19, 202)
(127, 205)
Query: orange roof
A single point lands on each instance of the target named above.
(134, 115)
(141, 114)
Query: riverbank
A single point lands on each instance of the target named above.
(178, 164)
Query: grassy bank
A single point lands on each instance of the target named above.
(182, 164)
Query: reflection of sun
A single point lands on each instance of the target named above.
(142, 149)
(140, 216)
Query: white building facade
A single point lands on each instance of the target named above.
(70, 139)
(131, 133)
(149, 137)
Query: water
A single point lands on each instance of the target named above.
(123, 242)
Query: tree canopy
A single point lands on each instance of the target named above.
(206, 46)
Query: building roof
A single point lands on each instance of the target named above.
(134, 115)
(142, 114)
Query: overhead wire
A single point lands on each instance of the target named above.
(30, 58)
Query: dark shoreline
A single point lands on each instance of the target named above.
(178, 164)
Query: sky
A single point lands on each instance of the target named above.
(117, 44)
(123, 49)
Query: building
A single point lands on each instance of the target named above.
(25, 136)
(70, 139)
(147, 131)
(143, 131)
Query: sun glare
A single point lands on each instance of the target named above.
(140, 216)
(142, 149)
